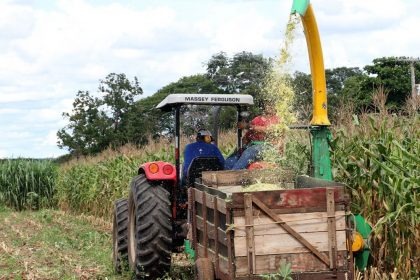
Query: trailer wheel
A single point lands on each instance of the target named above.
(149, 229)
(204, 269)
(119, 235)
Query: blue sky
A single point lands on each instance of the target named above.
(51, 49)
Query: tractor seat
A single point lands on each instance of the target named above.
(200, 164)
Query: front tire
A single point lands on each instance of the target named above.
(149, 229)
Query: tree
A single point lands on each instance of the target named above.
(344, 85)
(97, 123)
(145, 119)
(341, 88)
(244, 73)
(394, 76)
(87, 131)
(119, 94)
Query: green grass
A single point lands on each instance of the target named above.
(51, 244)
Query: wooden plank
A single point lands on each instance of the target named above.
(231, 189)
(286, 243)
(326, 275)
(300, 262)
(221, 205)
(198, 196)
(210, 190)
(301, 198)
(250, 246)
(240, 211)
(216, 237)
(210, 201)
(194, 220)
(222, 178)
(332, 238)
(205, 234)
(230, 244)
(211, 233)
(244, 177)
(223, 262)
(302, 222)
(290, 230)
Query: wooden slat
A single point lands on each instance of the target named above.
(216, 233)
(230, 242)
(209, 201)
(291, 199)
(205, 234)
(221, 205)
(243, 177)
(300, 262)
(249, 229)
(302, 222)
(223, 262)
(290, 230)
(222, 178)
(239, 212)
(286, 243)
(194, 219)
(231, 189)
(332, 238)
(210, 231)
(198, 196)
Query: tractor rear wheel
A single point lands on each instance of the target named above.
(149, 229)
(119, 235)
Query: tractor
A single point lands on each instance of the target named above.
(152, 222)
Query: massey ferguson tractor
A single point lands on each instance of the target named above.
(151, 223)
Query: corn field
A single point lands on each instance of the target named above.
(91, 185)
(377, 156)
(27, 184)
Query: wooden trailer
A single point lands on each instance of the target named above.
(244, 235)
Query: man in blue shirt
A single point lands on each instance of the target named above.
(201, 148)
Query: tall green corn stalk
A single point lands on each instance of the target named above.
(27, 183)
(91, 185)
(378, 158)
(91, 188)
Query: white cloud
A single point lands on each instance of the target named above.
(51, 49)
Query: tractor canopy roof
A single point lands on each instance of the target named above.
(177, 99)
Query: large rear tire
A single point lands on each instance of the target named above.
(149, 229)
(120, 235)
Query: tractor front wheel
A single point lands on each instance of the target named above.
(149, 229)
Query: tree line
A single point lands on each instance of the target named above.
(115, 116)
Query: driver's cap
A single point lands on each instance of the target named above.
(205, 135)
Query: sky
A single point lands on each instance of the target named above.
(49, 50)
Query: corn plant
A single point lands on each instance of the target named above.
(380, 162)
(27, 184)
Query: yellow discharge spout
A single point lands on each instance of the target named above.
(319, 94)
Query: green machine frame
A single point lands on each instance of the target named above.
(321, 135)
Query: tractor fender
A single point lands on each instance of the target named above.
(158, 171)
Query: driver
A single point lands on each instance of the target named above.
(201, 148)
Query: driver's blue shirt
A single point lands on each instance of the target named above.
(199, 149)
